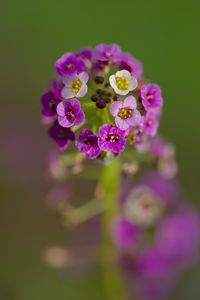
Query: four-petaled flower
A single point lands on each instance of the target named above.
(125, 113)
(123, 82)
(70, 113)
(151, 96)
(111, 138)
(75, 86)
(149, 124)
(49, 101)
(62, 136)
(69, 64)
(88, 143)
(131, 64)
(108, 53)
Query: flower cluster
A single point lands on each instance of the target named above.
(101, 101)
(157, 234)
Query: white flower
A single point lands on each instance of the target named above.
(123, 82)
(75, 85)
(142, 207)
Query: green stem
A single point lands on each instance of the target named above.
(109, 189)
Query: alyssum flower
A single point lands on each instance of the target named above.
(102, 102)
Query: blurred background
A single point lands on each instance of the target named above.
(164, 35)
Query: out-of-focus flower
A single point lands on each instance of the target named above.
(57, 257)
(88, 143)
(125, 235)
(150, 124)
(131, 64)
(70, 113)
(62, 136)
(49, 102)
(75, 86)
(178, 236)
(108, 53)
(125, 113)
(151, 96)
(142, 207)
(111, 138)
(123, 82)
(58, 195)
(56, 167)
(69, 64)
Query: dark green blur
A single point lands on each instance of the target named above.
(164, 35)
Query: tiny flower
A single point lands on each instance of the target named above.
(88, 143)
(149, 124)
(86, 55)
(69, 64)
(49, 101)
(123, 82)
(111, 138)
(125, 235)
(70, 113)
(125, 113)
(108, 53)
(151, 96)
(142, 207)
(75, 86)
(62, 136)
(131, 64)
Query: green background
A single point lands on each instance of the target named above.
(164, 35)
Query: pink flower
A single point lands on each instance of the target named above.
(125, 113)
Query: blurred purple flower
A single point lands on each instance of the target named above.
(87, 143)
(108, 53)
(62, 136)
(131, 64)
(69, 64)
(125, 235)
(151, 96)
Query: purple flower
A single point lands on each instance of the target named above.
(69, 64)
(108, 53)
(149, 124)
(85, 54)
(151, 96)
(111, 138)
(62, 136)
(70, 113)
(49, 101)
(178, 236)
(125, 113)
(124, 234)
(131, 64)
(88, 143)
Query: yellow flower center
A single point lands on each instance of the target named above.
(125, 113)
(122, 83)
(76, 85)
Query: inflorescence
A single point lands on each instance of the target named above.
(101, 101)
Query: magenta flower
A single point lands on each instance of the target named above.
(69, 64)
(88, 143)
(108, 53)
(125, 235)
(111, 138)
(149, 124)
(70, 113)
(85, 54)
(178, 236)
(151, 96)
(131, 64)
(125, 113)
(49, 101)
(62, 136)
